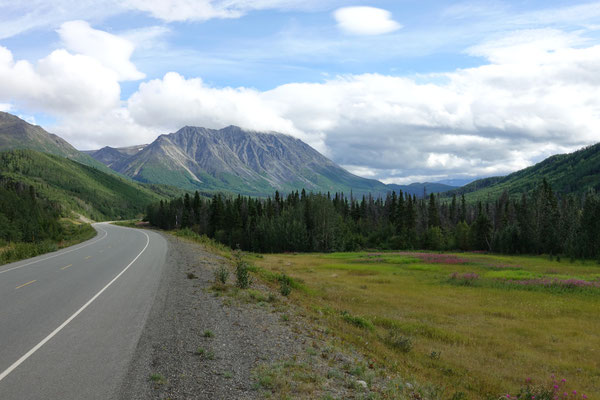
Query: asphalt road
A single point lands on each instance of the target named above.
(70, 320)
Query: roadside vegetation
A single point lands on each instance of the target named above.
(475, 326)
(427, 325)
(31, 225)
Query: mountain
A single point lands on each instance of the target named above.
(75, 186)
(457, 182)
(576, 172)
(18, 134)
(241, 161)
(113, 155)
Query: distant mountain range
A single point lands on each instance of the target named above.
(235, 160)
(240, 161)
(229, 160)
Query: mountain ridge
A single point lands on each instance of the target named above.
(245, 162)
(16, 134)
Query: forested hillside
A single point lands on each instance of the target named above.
(540, 222)
(576, 172)
(31, 225)
(77, 187)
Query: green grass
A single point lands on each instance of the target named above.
(486, 338)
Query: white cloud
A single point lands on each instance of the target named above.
(60, 83)
(174, 101)
(110, 50)
(533, 98)
(365, 20)
(115, 127)
(202, 10)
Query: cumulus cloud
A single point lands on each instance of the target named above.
(61, 83)
(516, 109)
(365, 20)
(110, 50)
(174, 101)
(115, 127)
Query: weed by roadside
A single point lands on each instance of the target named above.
(158, 379)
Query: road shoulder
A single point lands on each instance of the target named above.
(197, 344)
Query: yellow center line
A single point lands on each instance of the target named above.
(70, 265)
(25, 284)
(88, 257)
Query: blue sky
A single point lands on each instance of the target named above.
(402, 90)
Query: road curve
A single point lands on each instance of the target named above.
(70, 320)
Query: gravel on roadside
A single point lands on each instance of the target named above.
(196, 347)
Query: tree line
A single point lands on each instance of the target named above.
(534, 223)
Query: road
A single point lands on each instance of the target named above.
(70, 320)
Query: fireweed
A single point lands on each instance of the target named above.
(554, 389)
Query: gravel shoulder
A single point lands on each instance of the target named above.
(198, 344)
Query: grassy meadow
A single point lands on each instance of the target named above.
(474, 325)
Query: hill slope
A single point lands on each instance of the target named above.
(18, 134)
(76, 186)
(240, 161)
(575, 172)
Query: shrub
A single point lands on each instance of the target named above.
(221, 274)
(285, 284)
(242, 272)
(242, 275)
(398, 341)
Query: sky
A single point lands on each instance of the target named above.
(397, 90)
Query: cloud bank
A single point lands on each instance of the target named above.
(536, 94)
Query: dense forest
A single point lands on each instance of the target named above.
(31, 225)
(535, 223)
(24, 217)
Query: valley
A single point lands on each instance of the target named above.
(382, 291)
(292, 199)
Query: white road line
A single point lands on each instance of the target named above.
(56, 255)
(71, 318)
